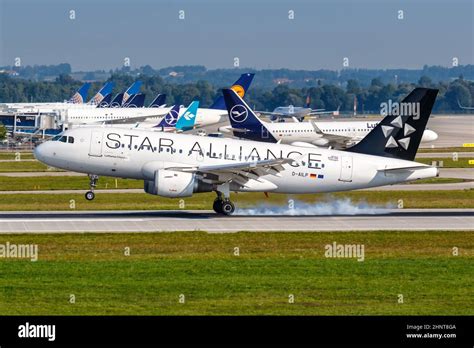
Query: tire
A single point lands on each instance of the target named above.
(227, 208)
(217, 206)
(90, 195)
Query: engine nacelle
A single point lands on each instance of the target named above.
(171, 183)
(321, 142)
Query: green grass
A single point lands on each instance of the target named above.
(25, 166)
(64, 183)
(12, 155)
(448, 162)
(437, 181)
(447, 149)
(271, 266)
(142, 201)
(82, 183)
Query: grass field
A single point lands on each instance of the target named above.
(142, 201)
(448, 162)
(12, 155)
(64, 183)
(447, 149)
(25, 166)
(271, 266)
(82, 183)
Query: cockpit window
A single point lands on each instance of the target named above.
(56, 138)
(70, 140)
(63, 139)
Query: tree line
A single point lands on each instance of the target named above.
(326, 96)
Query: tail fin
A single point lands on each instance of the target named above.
(244, 122)
(135, 101)
(399, 134)
(188, 118)
(105, 90)
(80, 96)
(117, 101)
(170, 119)
(160, 100)
(105, 102)
(133, 89)
(240, 86)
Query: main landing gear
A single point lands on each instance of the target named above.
(90, 195)
(222, 204)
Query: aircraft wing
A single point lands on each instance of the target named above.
(240, 172)
(332, 138)
(271, 113)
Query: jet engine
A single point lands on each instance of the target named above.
(171, 183)
(321, 142)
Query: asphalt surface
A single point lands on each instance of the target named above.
(172, 221)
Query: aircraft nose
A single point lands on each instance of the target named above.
(43, 152)
(38, 152)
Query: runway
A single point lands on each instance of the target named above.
(172, 221)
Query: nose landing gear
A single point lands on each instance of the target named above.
(90, 195)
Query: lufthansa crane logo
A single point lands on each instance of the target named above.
(171, 117)
(239, 90)
(238, 113)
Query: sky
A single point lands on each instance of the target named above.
(323, 34)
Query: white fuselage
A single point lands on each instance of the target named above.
(204, 117)
(290, 132)
(128, 153)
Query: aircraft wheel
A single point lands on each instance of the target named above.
(90, 195)
(227, 207)
(217, 206)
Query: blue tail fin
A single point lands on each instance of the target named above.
(105, 102)
(135, 101)
(188, 118)
(133, 89)
(105, 90)
(240, 86)
(117, 101)
(243, 120)
(170, 119)
(159, 101)
(80, 96)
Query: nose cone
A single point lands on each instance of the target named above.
(39, 152)
(44, 153)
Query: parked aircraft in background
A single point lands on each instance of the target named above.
(121, 115)
(246, 125)
(76, 101)
(178, 165)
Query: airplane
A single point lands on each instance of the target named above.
(465, 107)
(105, 102)
(121, 115)
(159, 101)
(121, 98)
(135, 101)
(297, 113)
(240, 87)
(76, 101)
(177, 165)
(246, 125)
(168, 123)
